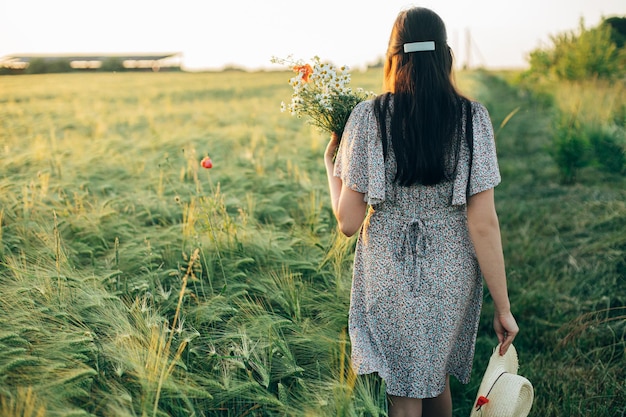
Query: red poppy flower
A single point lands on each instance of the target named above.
(306, 70)
(206, 162)
(481, 401)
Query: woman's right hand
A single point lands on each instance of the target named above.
(331, 148)
(506, 329)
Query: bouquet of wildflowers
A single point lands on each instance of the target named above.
(321, 93)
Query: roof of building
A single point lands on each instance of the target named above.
(89, 57)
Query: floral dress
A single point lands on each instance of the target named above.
(417, 288)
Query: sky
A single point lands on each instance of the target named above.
(212, 34)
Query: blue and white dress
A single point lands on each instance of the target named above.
(417, 288)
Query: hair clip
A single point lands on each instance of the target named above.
(419, 46)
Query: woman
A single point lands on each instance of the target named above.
(427, 221)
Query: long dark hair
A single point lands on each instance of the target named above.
(427, 108)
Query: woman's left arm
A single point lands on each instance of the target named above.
(349, 206)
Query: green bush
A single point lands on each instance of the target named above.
(618, 30)
(570, 148)
(619, 116)
(588, 53)
(43, 66)
(112, 65)
(575, 146)
(609, 148)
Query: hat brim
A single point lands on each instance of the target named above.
(511, 396)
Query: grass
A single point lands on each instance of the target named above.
(564, 247)
(135, 283)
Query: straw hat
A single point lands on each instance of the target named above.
(502, 392)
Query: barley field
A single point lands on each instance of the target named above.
(136, 283)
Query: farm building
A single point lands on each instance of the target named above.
(66, 62)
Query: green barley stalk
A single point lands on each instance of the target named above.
(167, 370)
(24, 405)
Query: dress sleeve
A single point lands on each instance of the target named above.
(484, 173)
(360, 163)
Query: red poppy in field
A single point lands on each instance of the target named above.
(206, 162)
(306, 70)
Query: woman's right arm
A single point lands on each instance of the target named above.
(484, 230)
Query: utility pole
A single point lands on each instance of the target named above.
(468, 48)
